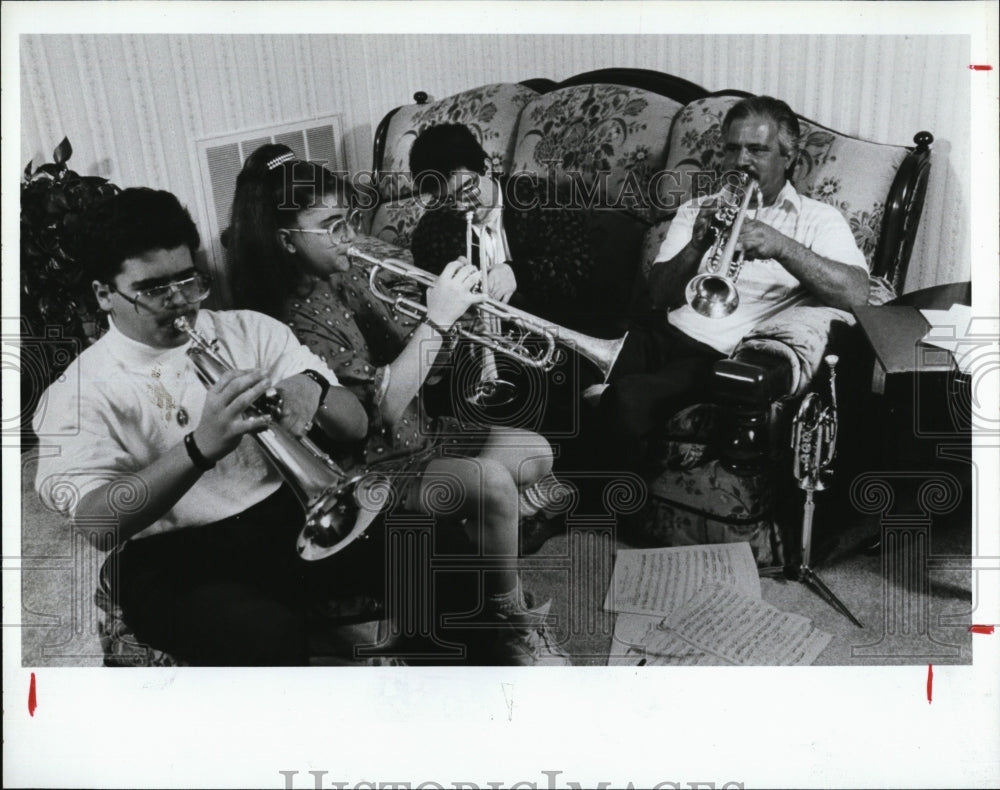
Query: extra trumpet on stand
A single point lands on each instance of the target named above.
(338, 507)
(600, 352)
(713, 294)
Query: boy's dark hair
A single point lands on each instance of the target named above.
(131, 223)
(440, 150)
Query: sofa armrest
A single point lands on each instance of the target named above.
(751, 379)
(749, 388)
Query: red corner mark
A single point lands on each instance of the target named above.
(930, 682)
(32, 702)
(981, 629)
(980, 67)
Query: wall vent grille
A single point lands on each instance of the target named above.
(221, 157)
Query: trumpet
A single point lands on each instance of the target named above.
(713, 294)
(491, 389)
(814, 435)
(338, 508)
(814, 442)
(600, 352)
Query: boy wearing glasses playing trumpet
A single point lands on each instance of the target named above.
(205, 567)
(538, 251)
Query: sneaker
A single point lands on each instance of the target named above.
(525, 640)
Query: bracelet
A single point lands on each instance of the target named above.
(199, 460)
(437, 328)
(321, 380)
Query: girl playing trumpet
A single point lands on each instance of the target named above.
(292, 225)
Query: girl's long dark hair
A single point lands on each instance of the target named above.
(269, 196)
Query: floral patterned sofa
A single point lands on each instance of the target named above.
(637, 144)
(634, 141)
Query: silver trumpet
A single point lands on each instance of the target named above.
(338, 508)
(713, 294)
(491, 390)
(814, 442)
(600, 352)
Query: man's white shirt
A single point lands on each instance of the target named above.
(765, 286)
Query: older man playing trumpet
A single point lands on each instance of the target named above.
(795, 251)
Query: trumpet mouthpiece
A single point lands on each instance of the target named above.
(831, 359)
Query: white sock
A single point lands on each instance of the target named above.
(547, 496)
(508, 603)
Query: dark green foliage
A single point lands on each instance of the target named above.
(59, 316)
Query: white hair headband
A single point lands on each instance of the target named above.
(280, 160)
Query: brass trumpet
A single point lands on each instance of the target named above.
(338, 508)
(600, 352)
(713, 294)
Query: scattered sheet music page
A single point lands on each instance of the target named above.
(737, 629)
(630, 646)
(648, 584)
(658, 581)
(701, 606)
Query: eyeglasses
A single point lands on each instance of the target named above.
(466, 196)
(192, 289)
(341, 231)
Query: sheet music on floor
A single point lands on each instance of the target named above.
(656, 581)
(738, 630)
(701, 606)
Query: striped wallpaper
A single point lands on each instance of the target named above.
(132, 105)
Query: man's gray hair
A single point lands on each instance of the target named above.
(768, 107)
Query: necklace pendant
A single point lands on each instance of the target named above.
(182, 417)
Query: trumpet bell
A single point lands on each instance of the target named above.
(338, 509)
(712, 296)
(341, 514)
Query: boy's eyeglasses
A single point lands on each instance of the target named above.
(192, 290)
(466, 196)
(341, 231)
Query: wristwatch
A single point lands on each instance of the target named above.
(321, 380)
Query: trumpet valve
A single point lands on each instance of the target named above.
(271, 402)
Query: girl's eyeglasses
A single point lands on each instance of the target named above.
(341, 231)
